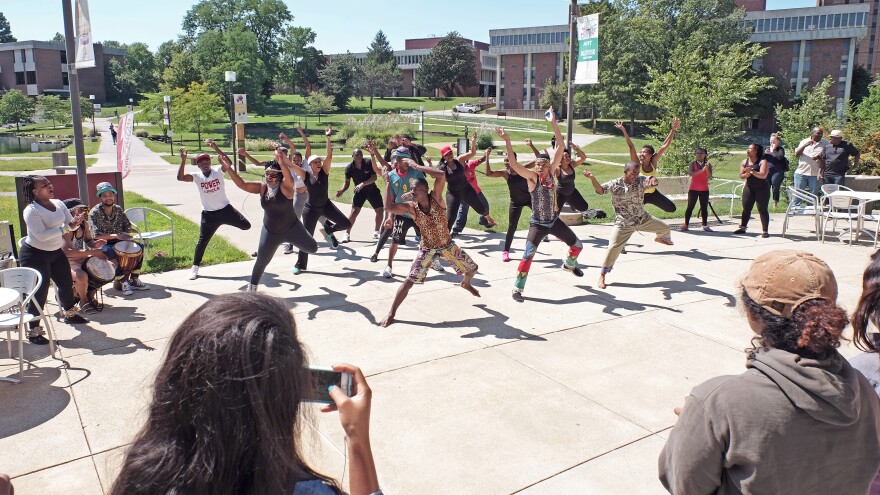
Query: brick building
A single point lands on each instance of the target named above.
(867, 51)
(415, 50)
(40, 67)
(527, 58)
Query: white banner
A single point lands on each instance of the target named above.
(123, 143)
(587, 70)
(240, 106)
(85, 51)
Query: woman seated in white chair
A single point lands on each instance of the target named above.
(80, 246)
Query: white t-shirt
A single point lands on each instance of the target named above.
(46, 228)
(808, 163)
(212, 189)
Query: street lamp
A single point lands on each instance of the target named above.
(230, 78)
(94, 131)
(168, 121)
(422, 123)
(131, 106)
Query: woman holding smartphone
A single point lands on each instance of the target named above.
(757, 189)
(235, 427)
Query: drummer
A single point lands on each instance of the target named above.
(110, 224)
(78, 247)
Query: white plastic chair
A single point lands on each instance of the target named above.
(841, 207)
(809, 206)
(138, 215)
(26, 281)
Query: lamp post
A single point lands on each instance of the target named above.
(131, 106)
(168, 121)
(230, 78)
(422, 122)
(94, 131)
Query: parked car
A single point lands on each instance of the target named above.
(466, 108)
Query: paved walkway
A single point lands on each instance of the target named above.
(571, 391)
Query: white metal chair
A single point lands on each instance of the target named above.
(26, 281)
(831, 188)
(809, 206)
(841, 207)
(138, 216)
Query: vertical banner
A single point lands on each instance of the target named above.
(588, 50)
(123, 143)
(85, 50)
(240, 107)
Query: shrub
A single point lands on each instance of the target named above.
(484, 139)
(260, 144)
(141, 133)
(376, 127)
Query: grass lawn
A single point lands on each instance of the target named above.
(90, 147)
(285, 104)
(28, 164)
(7, 184)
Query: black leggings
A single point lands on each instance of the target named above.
(211, 221)
(575, 200)
(51, 265)
(269, 242)
(657, 199)
(756, 194)
(334, 221)
(469, 196)
(693, 196)
(513, 220)
(559, 229)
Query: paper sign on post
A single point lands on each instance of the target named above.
(240, 107)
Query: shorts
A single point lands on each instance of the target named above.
(400, 227)
(454, 255)
(370, 193)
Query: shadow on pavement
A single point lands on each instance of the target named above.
(609, 301)
(332, 300)
(32, 402)
(695, 254)
(493, 324)
(689, 283)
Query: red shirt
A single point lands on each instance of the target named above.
(471, 174)
(699, 182)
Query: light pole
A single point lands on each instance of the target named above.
(168, 118)
(94, 131)
(422, 122)
(230, 78)
(130, 107)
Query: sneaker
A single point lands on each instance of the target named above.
(505, 256)
(138, 285)
(684, 227)
(483, 222)
(437, 267)
(328, 237)
(387, 272)
(75, 320)
(741, 230)
(664, 241)
(126, 289)
(374, 258)
(573, 269)
(376, 234)
(297, 270)
(707, 229)
(765, 235)
(87, 308)
(517, 295)
(347, 237)
(38, 339)
(117, 284)
(194, 272)
(288, 248)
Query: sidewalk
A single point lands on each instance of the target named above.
(571, 391)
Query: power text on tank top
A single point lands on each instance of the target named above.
(278, 214)
(212, 189)
(519, 190)
(455, 178)
(318, 187)
(544, 208)
(432, 225)
(566, 182)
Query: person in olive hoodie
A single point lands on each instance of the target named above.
(800, 419)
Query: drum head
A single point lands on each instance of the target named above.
(99, 269)
(126, 247)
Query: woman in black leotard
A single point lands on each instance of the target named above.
(520, 197)
(280, 223)
(316, 176)
(458, 188)
(567, 192)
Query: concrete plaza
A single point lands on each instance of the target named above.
(571, 391)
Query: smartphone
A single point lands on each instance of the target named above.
(322, 378)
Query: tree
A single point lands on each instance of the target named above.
(319, 103)
(379, 79)
(554, 95)
(300, 61)
(703, 88)
(54, 108)
(5, 30)
(450, 64)
(180, 72)
(198, 109)
(58, 38)
(814, 109)
(140, 72)
(861, 84)
(16, 107)
(235, 49)
(339, 79)
(380, 51)
(153, 108)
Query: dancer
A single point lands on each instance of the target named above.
(649, 161)
(520, 197)
(280, 223)
(47, 221)
(216, 209)
(429, 212)
(700, 171)
(362, 171)
(567, 193)
(777, 166)
(757, 189)
(627, 198)
(545, 212)
(317, 178)
(458, 188)
(470, 172)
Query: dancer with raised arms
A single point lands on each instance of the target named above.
(520, 197)
(649, 161)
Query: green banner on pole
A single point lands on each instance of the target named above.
(587, 68)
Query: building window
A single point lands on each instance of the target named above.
(836, 20)
(31, 77)
(821, 22)
(24, 56)
(64, 79)
(502, 91)
(787, 23)
(63, 57)
(19, 78)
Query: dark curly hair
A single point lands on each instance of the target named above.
(868, 309)
(813, 330)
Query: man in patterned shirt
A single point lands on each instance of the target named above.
(109, 223)
(627, 198)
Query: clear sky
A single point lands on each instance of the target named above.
(341, 25)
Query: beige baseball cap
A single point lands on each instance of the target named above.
(782, 280)
(836, 133)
